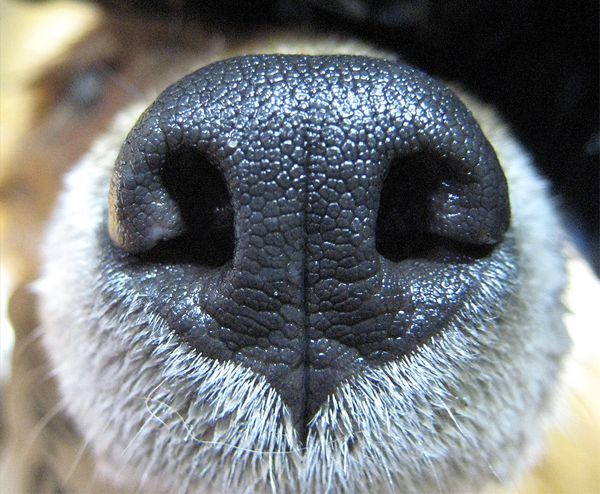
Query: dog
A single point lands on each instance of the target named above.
(454, 396)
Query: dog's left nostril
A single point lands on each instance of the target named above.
(186, 217)
(182, 213)
(203, 210)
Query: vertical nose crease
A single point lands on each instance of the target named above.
(291, 250)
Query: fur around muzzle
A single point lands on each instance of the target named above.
(173, 367)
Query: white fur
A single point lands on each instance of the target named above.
(461, 411)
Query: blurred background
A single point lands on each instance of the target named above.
(32, 35)
(535, 61)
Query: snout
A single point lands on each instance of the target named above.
(306, 217)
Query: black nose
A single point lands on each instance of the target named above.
(306, 217)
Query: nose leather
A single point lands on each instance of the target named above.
(304, 146)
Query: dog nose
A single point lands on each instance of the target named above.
(306, 217)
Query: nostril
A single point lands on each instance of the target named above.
(200, 193)
(184, 216)
(416, 218)
(404, 208)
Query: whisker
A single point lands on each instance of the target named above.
(25, 343)
(148, 419)
(195, 438)
(471, 440)
(77, 461)
(55, 410)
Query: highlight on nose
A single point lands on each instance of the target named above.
(306, 217)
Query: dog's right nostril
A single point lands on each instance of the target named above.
(426, 210)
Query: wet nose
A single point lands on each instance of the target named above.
(307, 217)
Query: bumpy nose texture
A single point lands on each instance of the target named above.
(282, 160)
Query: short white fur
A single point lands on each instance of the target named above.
(460, 412)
